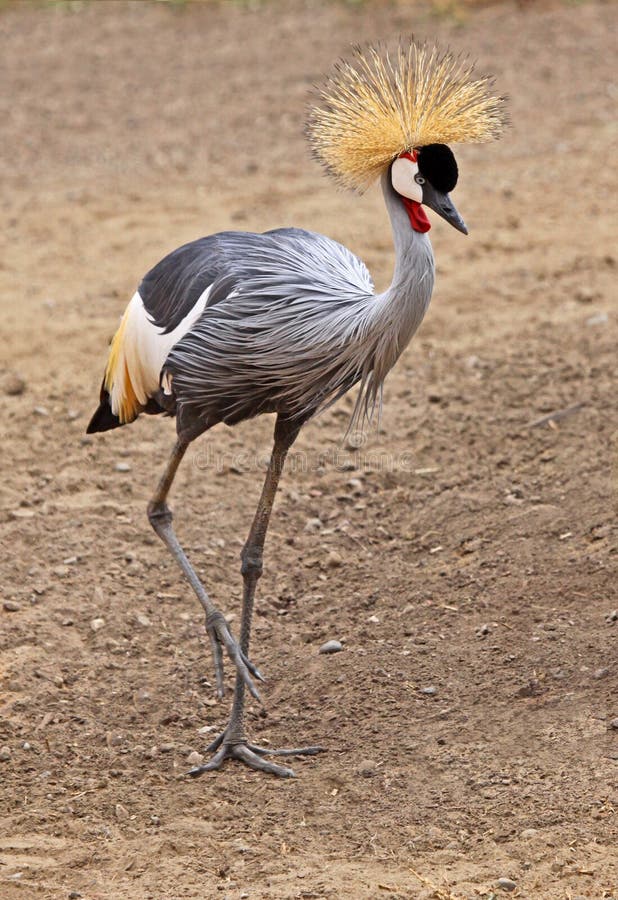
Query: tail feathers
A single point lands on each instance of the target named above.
(103, 419)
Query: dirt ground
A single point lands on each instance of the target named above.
(468, 720)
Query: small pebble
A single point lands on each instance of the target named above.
(331, 647)
(374, 620)
(195, 759)
(356, 486)
(13, 384)
(40, 411)
(21, 513)
(368, 768)
(612, 616)
(614, 723)
(166, 748)
(74, 895)
(5, 754)
(313, 525)
(11, 606)
(429, 691)
(334, 560)
(121, 811)
(507, 884)
(600, 673)
(529, 832)
(483, 630)
(598, 319)
(122, 467)
(584, 295)
(143, 620)
(97, 624)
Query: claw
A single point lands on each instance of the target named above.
(242, 753)
(251, 755)
(252, 667)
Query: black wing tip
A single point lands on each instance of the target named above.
(103, 419)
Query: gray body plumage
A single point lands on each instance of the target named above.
(292, 323)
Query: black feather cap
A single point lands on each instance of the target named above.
(436, 163)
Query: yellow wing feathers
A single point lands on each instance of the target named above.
(117, 379)
(137, 354)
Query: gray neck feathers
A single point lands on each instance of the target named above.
(396, 314)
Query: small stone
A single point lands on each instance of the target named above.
(428, 691)
(121, 812)
(473, 362)
(11, 606)
(313, 525)
(195, 759)
(529, 832)
(374, 620)
(75, 895)
(483, 630)
(507, 884)
(368, 768)
(40, 411)
(21, 513)
(612, 617)
(97, 624)
(584, 295)
(598, 319)
(614, 723)
(143, 620)
(61, 571)
(331, 647)
(356, 486)
(600, 673)
(122, 467)
(334, 560)
(13, 384)
(166, 748)
(155, 820)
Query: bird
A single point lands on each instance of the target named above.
(239, 324)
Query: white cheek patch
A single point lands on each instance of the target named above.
(402, 178)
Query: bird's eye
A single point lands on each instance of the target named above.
(419, 179)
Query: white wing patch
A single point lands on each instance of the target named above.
(137, 354)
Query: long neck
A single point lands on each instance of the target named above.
(400, 309)
(393, 317)
(414, 264)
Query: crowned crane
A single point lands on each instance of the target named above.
(237, 324)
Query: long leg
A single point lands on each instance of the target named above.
(160, 517)
(233, 743)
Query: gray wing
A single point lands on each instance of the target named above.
(282, 315)
(170, 290)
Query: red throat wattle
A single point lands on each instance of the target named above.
(415, 211)
(417, 215)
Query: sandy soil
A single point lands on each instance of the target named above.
(468, 719)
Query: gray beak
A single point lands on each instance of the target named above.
(444, 206)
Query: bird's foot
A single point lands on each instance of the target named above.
(251, 755)
(220, 636)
